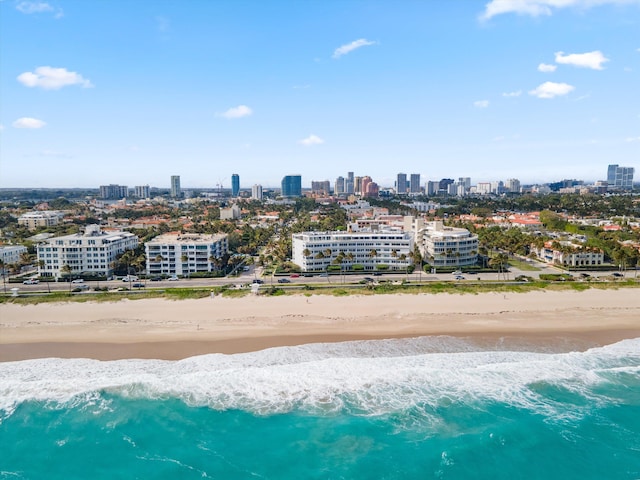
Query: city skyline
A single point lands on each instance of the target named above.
(535, 90)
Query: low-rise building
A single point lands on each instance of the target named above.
(10, 254)
(92, 252)
(316, 251)
(569, 254)
(443, 246)
(184, 253)
(45, 218)
(230, 213)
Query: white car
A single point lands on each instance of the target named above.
(173, 278)
(31, 281)
(77, 280)
(130, 278)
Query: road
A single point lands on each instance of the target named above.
(336, 279)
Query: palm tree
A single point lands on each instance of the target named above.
(4, 282)
(499, 261)
(66, 271)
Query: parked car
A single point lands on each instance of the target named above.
(295, 275)
(457, 273)
(617, 274)
(368, 279)
(284, 280)
(257, 280)
(138, 285)
(80, 288)
(155, 279)
(377, 274)
(459, 277)
(77, 280)
(31, 281)
(130, 278)
(173, 278)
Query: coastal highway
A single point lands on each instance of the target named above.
(248, 277)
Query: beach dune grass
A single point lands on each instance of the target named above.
(385, 288)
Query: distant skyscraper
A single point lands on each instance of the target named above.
(142, 191)
(113, 192)
(292, 186)
(357, 185)
(338, 188)
(321, 188)
(512, 185)
(176, 192)
(620, 178)
(433, 187)
(414, 183)
(364, 183)
(350, 184)
(235, 185)
(401, 183)
(465, 182)
(256, 192)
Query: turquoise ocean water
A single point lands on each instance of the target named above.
(432, 407)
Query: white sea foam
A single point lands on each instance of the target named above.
(366, 377)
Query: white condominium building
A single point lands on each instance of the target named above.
(90, 253)
(10, 254)
(447, 246)
(315, 251)
(183, 253)
(45, 218)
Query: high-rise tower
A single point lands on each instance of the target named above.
(176, 192)
(235, 185)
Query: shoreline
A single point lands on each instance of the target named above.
(171, 330)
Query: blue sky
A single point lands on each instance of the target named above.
(132, 92)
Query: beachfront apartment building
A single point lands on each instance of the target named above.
(92, 252)
(185, 253)
(44, 218)
(443, 246)
(11, 254)
(317, 251)
(569, 254)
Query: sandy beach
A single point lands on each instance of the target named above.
(159, 328)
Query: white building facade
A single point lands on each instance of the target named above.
(45, 218)
(10, 254)
(571, 255)
(90, 253)
(316, 251)
(443, 246)
(184, 253)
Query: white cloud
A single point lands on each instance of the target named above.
(311, 140)
(237, 112)
(551, 89)
(592, 60)
(38, 7)
(512, 94)
(28, 122)
(536, 8)
(51, 78)
(350, 47)
(633, 139)
(546, 68)
(481, 103)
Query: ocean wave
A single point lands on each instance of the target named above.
(365, 377)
